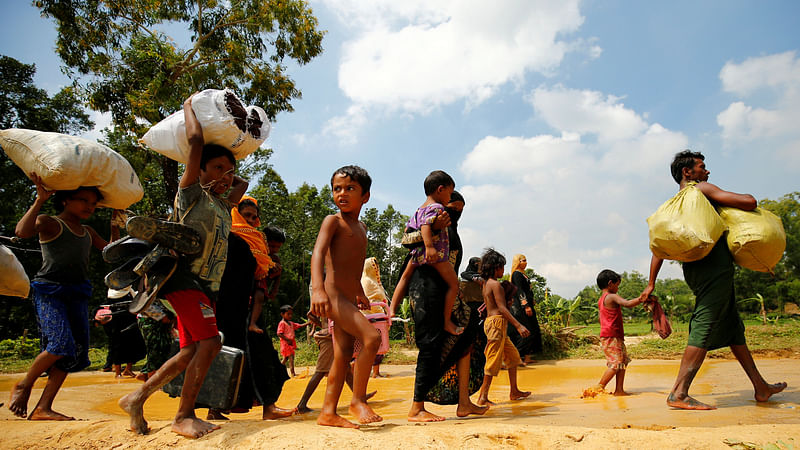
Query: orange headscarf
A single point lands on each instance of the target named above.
(254, 238)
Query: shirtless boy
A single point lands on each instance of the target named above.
(340, 249)
(499, 347)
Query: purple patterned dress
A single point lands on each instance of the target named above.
(426, 215)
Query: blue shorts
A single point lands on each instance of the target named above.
(62, 311)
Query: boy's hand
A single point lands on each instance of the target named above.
(430, 253)
(362, 302)
(523, 331)
(41, 191)
(320, 304)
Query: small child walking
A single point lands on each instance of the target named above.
(286, 329)
(499, 347)
(612, 334)
(435, 252)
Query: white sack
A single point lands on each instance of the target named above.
(241, 131)
(68, 162)
(13, 280)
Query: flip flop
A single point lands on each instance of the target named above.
(152, 282)
(123, 249)
(124, 275)
(171, 235)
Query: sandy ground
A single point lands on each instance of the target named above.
(554, 417)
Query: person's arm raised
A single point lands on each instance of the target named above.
(194, 134)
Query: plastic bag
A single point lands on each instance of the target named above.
(225, 122)
(756, 238)
(68, 162)
(686, 227)
(13, 279)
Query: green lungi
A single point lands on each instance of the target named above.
(715, 322)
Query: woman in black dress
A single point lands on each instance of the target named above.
(523, 310)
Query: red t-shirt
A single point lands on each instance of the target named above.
(610, 319)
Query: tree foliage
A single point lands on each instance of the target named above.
(130, 67)
(384, 230)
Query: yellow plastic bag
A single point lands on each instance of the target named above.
(686, 227)
(756, 238)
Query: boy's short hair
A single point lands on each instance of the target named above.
(607, 276)
(211, 151)
(684, 159)
(356, 174)
(435, 179)
(275, 234)
(61, 196)
(286, 308)
(490, 261)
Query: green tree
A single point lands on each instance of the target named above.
(128, 66)
(384, 229)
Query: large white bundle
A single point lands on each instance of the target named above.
(13, 279)
(68, 162)
(225, 122)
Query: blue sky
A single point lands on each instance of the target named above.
(558, 119)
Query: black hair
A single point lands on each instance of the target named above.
(356, 174)
(457, 197)
(683, 160)
(62, 196)
(607, 276)
(474, 264)
(211, 151)
(435, 179)
(248, 203)
(285, 308)
(275, 234)
(490, 261)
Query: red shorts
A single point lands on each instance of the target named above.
(196, 319)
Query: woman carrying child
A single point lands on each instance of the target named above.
(60, 291)
(435, 252)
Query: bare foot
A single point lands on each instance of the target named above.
(424, 416)
(135, 410)
(379, 375)
(334, 420)
(128, 374)
(485, 401)
(143, 376)
(687, 403)
(192, 427)
(255, 329)
(771, 389)
(303, 409)
(19, 400)
(364, 413)
(519, 395)
(620, 394)
(471, 408)
(215, 414)
(47, 414)
(272, 412)
(451, 328)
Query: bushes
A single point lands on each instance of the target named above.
(20, 348)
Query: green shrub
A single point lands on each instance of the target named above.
(20, 347)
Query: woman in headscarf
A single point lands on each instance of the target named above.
(454, 209)
(522, 308)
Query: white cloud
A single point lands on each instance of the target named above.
(593, 189)
(769, 106)
(101, 122)
(415, 56)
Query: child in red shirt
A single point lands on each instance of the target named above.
(612, 334)
(286, 330)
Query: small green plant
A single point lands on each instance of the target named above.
(20, 347)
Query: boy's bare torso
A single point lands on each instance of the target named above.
(344, 261)
(489, 289)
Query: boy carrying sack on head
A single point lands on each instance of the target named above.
(201, 205)
(340, 249)
(612, 334)
(499, 347)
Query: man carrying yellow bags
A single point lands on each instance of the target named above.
(715, 322)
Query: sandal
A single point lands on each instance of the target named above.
(171, 235)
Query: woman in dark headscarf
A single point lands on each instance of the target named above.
(454, 209)
(523, 310)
